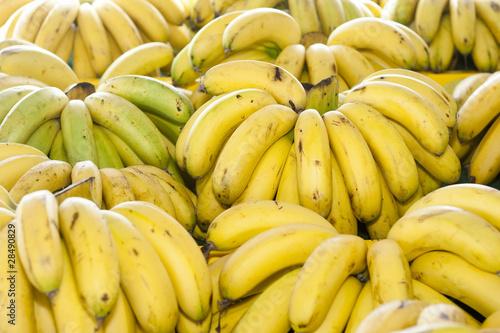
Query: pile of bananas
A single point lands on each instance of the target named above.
(452, 28)
(129, 120)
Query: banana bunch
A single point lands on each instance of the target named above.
(465, 27)
(78, 267)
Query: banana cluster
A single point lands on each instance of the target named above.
(129, 120)
(132, 267)
(452, 28)
(102, 38)
(444, 248)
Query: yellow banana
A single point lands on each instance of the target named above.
(320, 62)
(187, 325)
(292, 59)
(485, 50)
(489, 13)
(404, 206)
(82, 65)
(10, 96)
(82, 188)
(463, 18)
(127, 155)
(201, 12)
(6, 215)
(44, 135)
(427, 181)
(331, 14)
(441, 47)
(65, 48)
(13, 168)
(57, 151)
(399, 11)
(173, 11)
(467, 86)
(427, 18)
(115, 187)
(121, 318)
(306, 14)
(31, 19)
(9, 8)
(484, 165)
(347, 58)
(492, 321)
(362, 307)
(44, 315)
(226, 320)
(288, 190)
(421, 47)
(85, 169)
(107, 154)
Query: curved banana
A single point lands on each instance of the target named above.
(92, 253)
(178, 252)
(121, 318)
(245, 147)
(226, 320)
(389, 272)
(288, 190)
(348, 58)
(57, 151)
(430, 228)
(400, 11)
(428, 17)
(331, 14)
(125, 152)
(172, 10)
(321, 62)
(292, 59)
(406, 107)
(484, 165)
(65, 48)
(187, 325)
(85, 169)
(44, 315)
(489, 13)
(391, 41)
(201, 12)
(441, 48)
(352, 10)
(10, 96)
(238, 224)
(145, 281)
(82, 65)
(427, 181)
(7, 29)
(388, 148)
(6, 215)
(463, 20)
(453, 276)
(9, 8)
(37, 63)
(421, 47)
(14, 167)
(306, 14)
(485, 51)
(245, 269)
(140, 60)
(44, 135)
(9, 149)
(351, 150)
(241, 74)
(333, 260)
(115, 187)
(261, 25)
(31, 19)
(314, 169)
(107, 154)
(362, 307)
(404, 206)
(467, 86)
(440, 312)
(492, 321)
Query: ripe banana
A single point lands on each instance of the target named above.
(144, 279)
(321, 63)
(292, 59)
(44, 316)
(428, 17)
(406, 107)
(288, 190)
(130, 124)
(399, 11)
(453, 276)
(238, 224)
(151, 95)
(427, 181)
(362, 307)
(484, 165)
(393, 42)
(6, 215)
(82, 65)
(261, 25)
(107, 154)
(187, 325)
(306, 15)
(14, 167)
(346, 58)
(467, 86)
(82, 188)
(140, 60)
(463, 18)
(421, 47)
(387, 147)
(178, 252)
(44, 135)
(351, 150)
(322, 275)
(31, 19)
(423, 230)
(241, 74)
(441, 48)
(10, 96)
(86, 169)
(245, 270)
(57, 151)
(331, 14)
(127, 155)
(485, 50)
(489, 12)
(9, 8)
(65, 47)
(121, 318)
(245, 147)
(38, 242)
(115, 187)
(225, 321)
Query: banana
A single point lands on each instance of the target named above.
(306, 15)
(107, 155)
(323, 96)
(389, 272)
(463, 20)
(121, 318)
(393, 42)
(65, 48)
(10, 96)
(245, 270)
(288, 188)
(428, 17)
(70, 313)
(170, 130)
(173, 11)
(144, 280)
(44, 316)
(331, 15)
(245, 147)
(28, 114)
(8, 81)
(37, 63)
(31, 19)
(437, 100)
(441, 312)
(292, 59)
(83, 188)
(13, 168)
(333, 260)
(238, 224)
(352, 10)
(44, 135)
(201, 12)
(362, 307)
(119, 24)
(51, 175)
(226, 320)
(260, 318)
(179, 253)
(57, 151)
(350, 150)
(265, 178)
(180, 36)
(421, 47)
(442, 47)
(484, 165)
(399, 11)
(7, 29)
(446, 167)
(55, 25)
(92, 254)
(147, 18)
(255, 74)
(215, 267)
(130, 124)
(320, 62)
(86, 169)
(492, 321)
(261, 25)
(186, 325)
(467, 86)
(127, 155)
(404, 206)
(6, 215)
(115, 187)
(406, 107)
(10, 149)
(77, 131)
(312, 150)
(9, 8)
(485, 50)
(183, 75)
(346, 58)
(392, 316)
(427, 181)
(38, 242)
(457, 278)
(388, 149)
(82, 65)
(417, 233)
(151, 95)
(489, 12)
